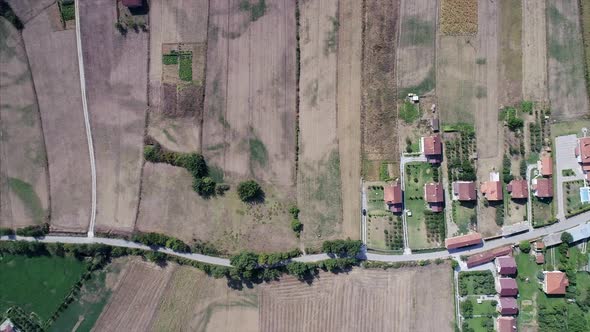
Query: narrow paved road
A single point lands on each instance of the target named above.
(86, 120)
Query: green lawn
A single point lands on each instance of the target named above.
(528, 290)
(477, 323)
(37, 284)
(485, 308)
(409, 112)
(476, 283)
(375, 199)
(463, 214)
(417, 174)
(573, 203)
(568, 128)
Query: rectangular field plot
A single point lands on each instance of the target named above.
(385, 232)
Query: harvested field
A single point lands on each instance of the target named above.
(380, 141)
(567, 85)
(318, 187)
(54, 67)
(117, 107)
(534, 51)
(176, 112)
(249, 129)
(415, 55)
(458, 17)
(24, 191)
(170, 206)
(193, 301)
(510, 48)
(362, 300)
(349, 111)
(135, 297)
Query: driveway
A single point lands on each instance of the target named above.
(565, 158)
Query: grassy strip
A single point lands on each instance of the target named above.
(185, 68)
(170, 59)
(585, 27)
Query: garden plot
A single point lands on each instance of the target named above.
(415, 55)
(370, 298)
(54, 66)
(176, 105)
(567, 86)
(318, 179)
(24, 190)
(249, 129)
(385, 232)
(117, 108)
(349, 106)
(534, 50)
(380, 140)
(169, 205)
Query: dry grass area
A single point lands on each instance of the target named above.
(534, 51)
(380, 141)
(193, 301)
(511, 55)
(567, 84)
(24, 191)
(362, 300)
(117, 108)
(174, 22)
(54, 66)
(169, 205)
(136, 293)
(349, 106)
(458, 17)
(318, 187)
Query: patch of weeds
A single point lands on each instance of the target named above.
(67, 11)
(481, 61)
(258, 152)
(223, 121)
(481, 92)
(409, 112)
(170, 59)
(256, 10)
(418, 32)
(26, 193)
(527, 106)
(425, 86)
(185, 68)
(331, 42)
(216, 173)
(217, 147)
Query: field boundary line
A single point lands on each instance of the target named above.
(86, 120)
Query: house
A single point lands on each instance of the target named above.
(488, 256)
(435, 124)
(518, 189)
(392, 195)
(132, 3)
(506, 287)
(433, 195)
(492, 190)
(545, 166)
(506, 324)
(463, 241)
(543, 187)
(464, 191)
(555, 283)
(506, 265)
(539, 258)
(432, 149)
(507, 306)
(582, 152)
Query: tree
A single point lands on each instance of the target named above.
(349, 248)
(194, 163)
(525, 246)
(296, 226)
(204, 186)
(245, 263)
(566, 237)
(467, 308)
(515, 123)
(249, 190)
(301, 270)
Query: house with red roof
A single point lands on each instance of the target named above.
(506, 265)
(463, 241)
(518, 189)
(488, 256)
(434, 196)
(492, 190)
(542, 187)
(582, 152)
(506, 324)
(464, 191)
(539, 258)
(507, 306)
(432, 146)
(555, 283)
(393, 197)
(506, 287)
(545, 166)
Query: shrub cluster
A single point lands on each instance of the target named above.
(250, 191)
(481, 281)
(7, 12)
(34, 230)
(342, 248)
(161, 240)
(296, 225)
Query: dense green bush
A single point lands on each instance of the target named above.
(301, 270)
(481, 281)
(161, 240)
(34, 231)
(525, 246)
(249, 191)
(7, 12)
(204, 186)
(296, 226)
(68, 11)
(6, 231)
(343, 248)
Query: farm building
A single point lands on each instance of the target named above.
(393, 197)
(488, 256)
(578, 233)
(492, 190)
(507, 306)
(506, 265)
(545, 166)
(463, 241)
(518, 189)
(432, 148)
(506, 287)
(539, 258)
(542, 187)
(433, 195)
(464, 191)
(555, 283)
(506, 324)
(435, 124)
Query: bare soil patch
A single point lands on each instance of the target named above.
(362, 300)
(24, 187)
(534, 51)
(169, 205)
(116, 83)
(54, 66)
(567, 85)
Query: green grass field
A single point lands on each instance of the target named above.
(477, 323)
(37, 284)
(417, 174)
(573, 203)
